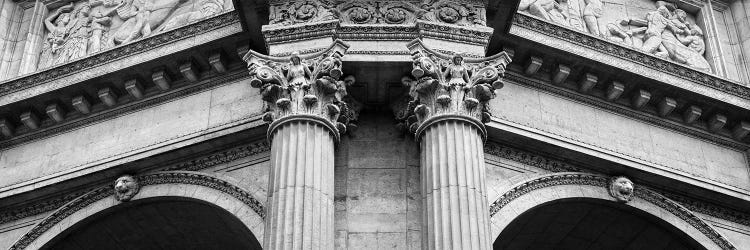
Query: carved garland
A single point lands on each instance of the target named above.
(602, 181)
(119, 52)
(630, 54)
(189, 178)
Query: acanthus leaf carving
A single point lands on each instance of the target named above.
(449, 85)
(308, 85)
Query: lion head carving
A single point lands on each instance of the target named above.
(621, 188)
(126, 187)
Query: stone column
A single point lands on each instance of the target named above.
(304, 99)
(449, 101)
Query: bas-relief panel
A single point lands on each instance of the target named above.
(621, 135)
(120, 136)
(461, 13)
(81, 28)
(655, 27)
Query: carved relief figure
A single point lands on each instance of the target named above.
(621, 188)
(591, 14)
(143, 16)
(206, 8)
(298, 74)
(79, 31)
(126, 187)
(550, 10)
(56, 36)
(457, 73)
(666, 33)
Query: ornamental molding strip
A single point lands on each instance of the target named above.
(107, 191)
(127, 50)
(630, 54)
(579, 179)
(715, 138)
(195, 164)
(553, 165)
(449, 87)
(305, 87)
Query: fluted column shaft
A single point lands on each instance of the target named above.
(455, 213)
(300, 210)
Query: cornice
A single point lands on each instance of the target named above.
(630, 54)
(718, 139)
(585, 179)
(378, 32)
(102, 192)
(141, 46)
(125, 109)
(558, 166)
(283, 34)
(470, 35)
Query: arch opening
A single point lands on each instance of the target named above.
(585, 223)
(158, 223)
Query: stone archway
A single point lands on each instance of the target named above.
(173, 185)
(558, 187)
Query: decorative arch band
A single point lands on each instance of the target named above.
(572, 178)
(106, 191)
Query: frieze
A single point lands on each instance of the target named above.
(619, 109)
(123, 110)
(119, 52)
(461, 13)
(377, 32)
(188, 178)
(604, 182)
(631, 54)
(299, 32)
(80, 28)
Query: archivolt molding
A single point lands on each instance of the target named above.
(585, 179)
(554, 165)
(107, 191)
(120, 52)
(196, 164)
(630, 54)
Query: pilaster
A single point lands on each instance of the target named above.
(449, 96)
(303, 96)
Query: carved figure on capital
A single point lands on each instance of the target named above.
(304, 85)
(450, 85)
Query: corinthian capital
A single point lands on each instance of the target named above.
(303, 87)
(450, 87)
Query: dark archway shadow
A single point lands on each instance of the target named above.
(158, 223)
(584, 223)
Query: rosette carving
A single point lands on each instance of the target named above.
(398, 12)
(304, 86)
(359, 13)
(450, 86)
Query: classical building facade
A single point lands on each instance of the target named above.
(374, 124)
